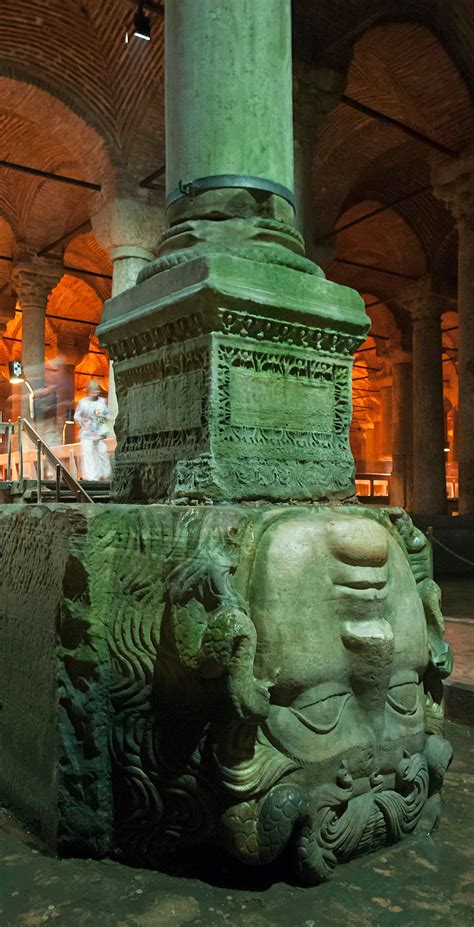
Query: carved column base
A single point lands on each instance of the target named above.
(234, 379)
(256, 678)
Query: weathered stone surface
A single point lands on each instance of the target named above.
(250, 117)
(266, 677)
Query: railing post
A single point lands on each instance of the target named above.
(9, 450)
(20, 451)
(38, 470)
(58, 483)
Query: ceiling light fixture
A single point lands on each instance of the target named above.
(141, 24)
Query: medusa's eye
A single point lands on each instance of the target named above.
(320, 709)
(403, 697)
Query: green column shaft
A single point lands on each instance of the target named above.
(228, 90)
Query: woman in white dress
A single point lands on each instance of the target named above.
(92, 417)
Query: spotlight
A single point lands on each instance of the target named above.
(142, 25)
(16, 375)
(15, 372)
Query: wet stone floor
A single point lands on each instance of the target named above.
(425, 880)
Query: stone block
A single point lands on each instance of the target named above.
(263, 678)
(234, 380)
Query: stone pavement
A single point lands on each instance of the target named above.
(425, 880)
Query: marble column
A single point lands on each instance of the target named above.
(386, 405)
(429, 476)
(401, 483)
(34, 282)
(454, 184)
(71, 348)
(129, 228)
(232, 130)
(316, 92)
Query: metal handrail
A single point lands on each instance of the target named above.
(60, 469)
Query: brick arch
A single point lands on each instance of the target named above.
(84, 251)
(445, 257)
(63, 51)
(386, 240)
(75, 298)
(325, 37)
(27, 98)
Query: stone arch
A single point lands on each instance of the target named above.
(45, 106)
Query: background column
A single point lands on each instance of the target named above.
(454, 183)
(316, 92)
(130, 229)
(33, 284)
(401, 484)
(386, 407)
(71, 351)
(429, 474)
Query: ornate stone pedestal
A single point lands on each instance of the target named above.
(234, 375)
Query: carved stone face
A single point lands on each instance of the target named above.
(342, 634)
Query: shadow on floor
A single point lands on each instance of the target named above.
(425, 880)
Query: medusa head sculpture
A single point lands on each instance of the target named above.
(297, 699)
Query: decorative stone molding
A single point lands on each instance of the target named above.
(34, 278)
(398, 355)
(426, 299)
(125, 225)
(453, 183)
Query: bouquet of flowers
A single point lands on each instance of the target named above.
(101, 422)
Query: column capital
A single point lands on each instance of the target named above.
(33, 279)
(427, 298)
(453, 183)
(127, 224)
(316, 91)
(398, 355)
(72, 347)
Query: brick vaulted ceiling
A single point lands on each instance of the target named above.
(401, 70)
(75, 99)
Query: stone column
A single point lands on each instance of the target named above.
(34, 281)
(454, 184)
(242, 128)
(71, 350)
(130, 229)
(211, 349)
(401, 483)
(455, 446)
(429, 476)
(316, 92)
(386, 406)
